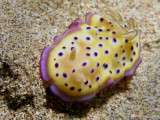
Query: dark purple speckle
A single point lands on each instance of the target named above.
(88, 38)
(71, 88)
(124, 64)
(101, 38)
(123, 58)
(123, 51)
(57, 74)
(63, 47)
(72, 48)
(117, 71)
(75, 38)
(88, 28)
(95, 54)
(84, 63)
(100, 30)
(105, 65)
(64, 75)
(88, 54)
(114, 40)
(56, 65)
(113, 32)
(66, 84)
(60, 54)
(106, 51)
(73, 71)
(131, 59)
(97, 78)
(116, 55)
(72, 42)
(108, 30)
(100, 45)
(98, 64)
(85, 83)
(134, 53)
(101, 19)
(88, 48)
(126, 41)
(136, 44)
(80, 89)
(131, 47)
(90, 86)
(110, 72)
(107, 38)
(92, 70)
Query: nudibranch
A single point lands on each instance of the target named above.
(91, 56)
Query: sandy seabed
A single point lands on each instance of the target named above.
(27, 26)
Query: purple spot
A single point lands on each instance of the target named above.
(97, 78)
(66, 84)
(117, 71)
(95, 54)
(126, 41)
(56, 65)
(100, 45)
(96, 34)
(85, 83)
(64, 47)
(92, 70)
(75, 38)
(124, 64)
(123, 51)
(109, 22)
(105, 65)
(136, 44)
(110, 72)
(113, 32)
(118, 62)
(131, 59)
(88, 28)
(88, 38)
(101, 38)
(64, 75)
(131, 47)
(134, 53)
(123, 58)
(101, 19)
(90, 86)
(114, 40)
(98, 64)
(88, 48)
(80, 89)
(60, 54)
(106, 51)
(107, 38)
(100, 30)
(84, 64)
(72, 42)
(116, 55)
(73, 71)
(72, 48)
(96, 27)
(108, 30)
(57, 74)
(71, 88)
(87, 54)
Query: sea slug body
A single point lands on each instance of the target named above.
(90, 56)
